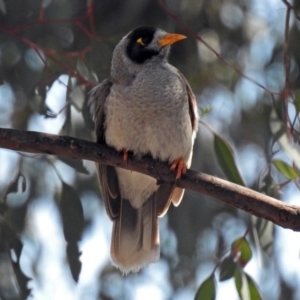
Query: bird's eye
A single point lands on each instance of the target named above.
(144, 41)
(140, 41)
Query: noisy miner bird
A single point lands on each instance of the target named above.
(146, 107)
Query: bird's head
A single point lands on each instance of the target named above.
(148, 42)
(142, 45)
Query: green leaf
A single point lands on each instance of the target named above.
(77, 97)
(84, 71)
(297, 99)
(254, 293)
(227, 268)
(73, 256)
(240, 249)
(279, 132)
(263, 233)
(226, 160)
(207, 290)
(285, 169)
(269, 186)
(73, 224)
(241, 284)
(245, 286)
(67, 128)
(205, 110)
(71, 213)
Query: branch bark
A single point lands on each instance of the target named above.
(280, 213)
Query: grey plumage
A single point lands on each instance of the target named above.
(146, 107)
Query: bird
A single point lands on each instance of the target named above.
(145, 107)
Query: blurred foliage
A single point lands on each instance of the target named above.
(226, 160)
(231, 266)
(53, 52)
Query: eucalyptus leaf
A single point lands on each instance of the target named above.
(285, 169)
(207, 290)
(84, 71)
(72, 214)
(246, 286)
(226, 160)
(227, 268)
(73, 223)
(73, 255)
(205, 110)
(77, 97)
(240, 249)
(241, 284)
(279, 133)
(297, 99)
(263, 232)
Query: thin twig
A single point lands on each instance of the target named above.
(291, 7)
(287, 62)
(218, 55)
(50, 53)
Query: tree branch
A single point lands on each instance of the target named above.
(280, 213)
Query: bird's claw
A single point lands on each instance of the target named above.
(125, 155)
(180, 166)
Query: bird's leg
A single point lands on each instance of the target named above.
(180, 166)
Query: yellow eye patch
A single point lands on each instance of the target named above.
(140, 41)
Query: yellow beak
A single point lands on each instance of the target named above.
(170, 38)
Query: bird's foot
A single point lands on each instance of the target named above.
(125, 155)
(180, 166)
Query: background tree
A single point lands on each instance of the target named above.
(53, 227)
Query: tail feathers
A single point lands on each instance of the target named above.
(135, 238)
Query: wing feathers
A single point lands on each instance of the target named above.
(192, 103)
(97, 102)
(108, 179)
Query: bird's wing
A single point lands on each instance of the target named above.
(177, 193)
(192, 104)
(108, 179)
(97, 100)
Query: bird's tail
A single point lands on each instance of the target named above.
(135, 238)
